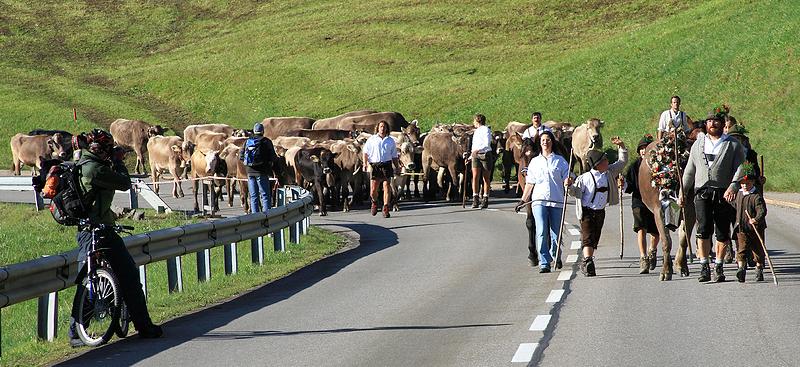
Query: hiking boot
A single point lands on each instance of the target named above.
(644, 265)
(590, 271)
(545, 269)
(652, 260)
(476, 202)
(152, 331)
(729, 253)
(485, 202)
(559, 264)
(533, 260)
(759, 274)
(386, 211)
(374, 209)
(719, 277)
(705, 273)
(740, 274)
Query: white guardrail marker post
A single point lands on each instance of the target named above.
(143, 278)
(174, 274)
(204, 265)
(231, 261)
(278, 239)
(47, 320)
(294, 229)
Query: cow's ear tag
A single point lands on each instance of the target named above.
(315, 159)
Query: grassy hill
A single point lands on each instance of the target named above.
(439, 61)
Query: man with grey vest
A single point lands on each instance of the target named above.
(712, 173)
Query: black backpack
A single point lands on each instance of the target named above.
(68, 201)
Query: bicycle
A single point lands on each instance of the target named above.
(101, 311)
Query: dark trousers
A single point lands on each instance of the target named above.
(591, 226)
(746, 242)
(530, 223)
(714, 214)
(124, 269)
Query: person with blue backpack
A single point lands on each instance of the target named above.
(260, 161)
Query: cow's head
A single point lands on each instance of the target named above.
(406, 151)
(499, 142)
(187, 149)
(325, 160)
(212, 163)
(58, 148)
(413, 132)
(464, 143)
(593, 126)
(243, 133)
(155, 130)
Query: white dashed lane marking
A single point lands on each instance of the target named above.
(524, 353)
(575, 245)
(574, 232)
(572, 258)
(540, 323)
(565, 275)
(555, 296)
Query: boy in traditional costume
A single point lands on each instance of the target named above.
(751, 212)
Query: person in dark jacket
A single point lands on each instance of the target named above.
(258, 174)
(643, 220)
(101, 173)
(751, 213)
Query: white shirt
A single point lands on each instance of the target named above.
(713, 147)
(587, 187)
(380, 149)
(679, 120)
(482, 139)
(531, 131)
(547, 174)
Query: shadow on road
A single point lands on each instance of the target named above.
(265, 333)
(126, 352)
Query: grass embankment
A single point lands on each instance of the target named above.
(436, 61)
(25, 235)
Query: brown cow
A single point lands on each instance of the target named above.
(516, 127)
(444, 150)
(333, 122)
(236, 172)
(235, 140)
(208, 164)
(368, 122)
(406, 150)
(287, 142)
(207, 141)
(279, 126)
(322, 134)
(348, 160)
(164, 153)
(27, 149)
(585, 138)
(191, 131)
(134, 134)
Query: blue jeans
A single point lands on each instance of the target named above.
(548, 222)
(259, 187)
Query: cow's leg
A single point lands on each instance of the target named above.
(323, 210)
(666, 240)
(685, 235)
(506, 177)
(155, 175)
(244, 196)
(195, 184)
(229, 187)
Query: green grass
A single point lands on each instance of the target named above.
(437, 61)
(19, 344)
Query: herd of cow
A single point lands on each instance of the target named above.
(322, 155)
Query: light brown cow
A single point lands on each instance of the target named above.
(287, 142)
(208, 141)
(208, 164)
(406, 150)
(444, 150)
(516, 127)
(277, 126)
(236, 172)
(134, 134)
(585, 138)
(348, 159)
(165, 154)
(192, 131)
(235, 140)
(28, 149)
(333, 122)
(368, 122)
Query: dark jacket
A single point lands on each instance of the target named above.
(99, 180)
(753, 204)
(632, 177)
(270, 160)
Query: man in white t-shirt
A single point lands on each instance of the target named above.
(533, 131)
(380, 152)
(674, 118)
(482, 161)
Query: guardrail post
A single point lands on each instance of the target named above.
(204, 194)
(213, 196)
(278, 240)
(175, 274)
(257, 250)
(295, 228)
(306, 223)
(231, 262)
(204, 265)
(48, 316)
(133, 199)
(37, 198)
(143, 278)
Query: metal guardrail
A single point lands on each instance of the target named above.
(46, 276)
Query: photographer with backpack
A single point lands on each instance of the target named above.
(260, 161)
(101, 172)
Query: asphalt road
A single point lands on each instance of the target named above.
(438, 285)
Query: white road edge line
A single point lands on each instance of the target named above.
(524, 353)
(565, 275)
(574, 232)
(540, 323)
(572, 258)
(575, 245)
(555, 296)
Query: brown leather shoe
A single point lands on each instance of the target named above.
(374, 209)
(386, 211)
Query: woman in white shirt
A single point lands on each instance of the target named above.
(544, 187)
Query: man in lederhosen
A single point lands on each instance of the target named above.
(380, 152)
(674, 119)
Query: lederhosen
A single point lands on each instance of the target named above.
(382, 170)
(592, 219)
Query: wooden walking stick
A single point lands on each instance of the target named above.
(682, 192)
(621, 230)
(563, 212)
(464, 195)
(763, 246)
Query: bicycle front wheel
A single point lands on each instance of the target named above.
(99, 308)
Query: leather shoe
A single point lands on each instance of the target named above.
(152, 331)
(374, 209)
(386, 211)
(544, 270)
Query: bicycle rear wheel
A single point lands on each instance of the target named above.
(124, 322)
(99, 308)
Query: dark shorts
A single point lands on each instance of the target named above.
(643, 218)
(484, 163)
(591, 226)
(713, 214)
(382, 170)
